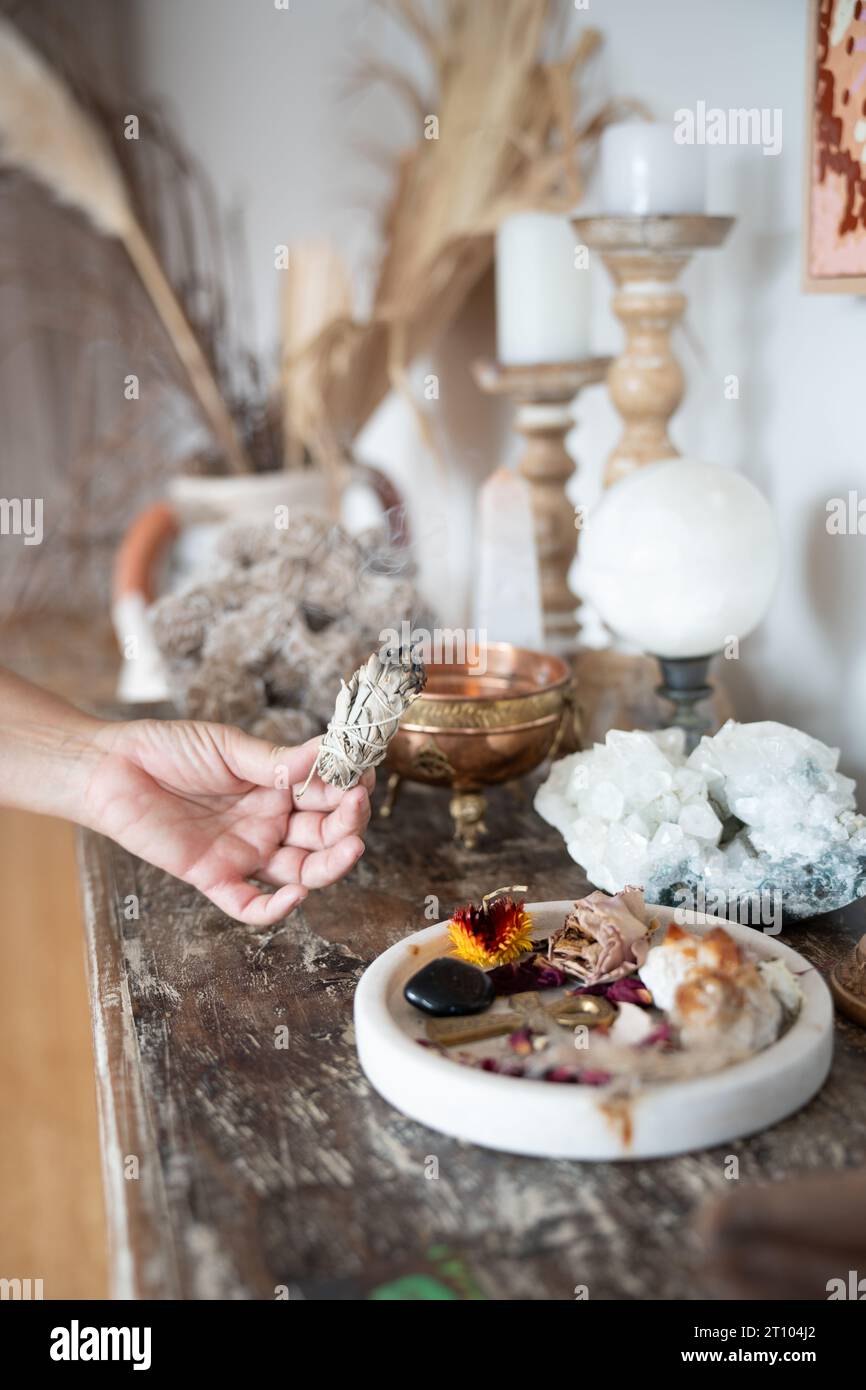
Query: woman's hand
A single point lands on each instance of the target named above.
(210, 804)
(216, 807)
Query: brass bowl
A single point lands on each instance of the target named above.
(470, 730)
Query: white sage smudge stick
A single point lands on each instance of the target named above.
(366, 717)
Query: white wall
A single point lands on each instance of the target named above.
(260, 95)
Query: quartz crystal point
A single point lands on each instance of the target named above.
(757, 818)
(508, 604)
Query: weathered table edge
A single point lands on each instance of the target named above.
(124, 1122)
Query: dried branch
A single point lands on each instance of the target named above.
(46, 134)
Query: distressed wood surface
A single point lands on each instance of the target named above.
(267, 1171)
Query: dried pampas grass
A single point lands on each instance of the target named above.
(46, 134)
(507, 136)
(43, 132)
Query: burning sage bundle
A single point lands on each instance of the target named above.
(366, 716)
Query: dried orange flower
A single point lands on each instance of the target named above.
(493, 934)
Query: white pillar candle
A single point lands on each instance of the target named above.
(644, 171)
(542, 291)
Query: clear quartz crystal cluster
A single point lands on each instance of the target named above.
(758, 811)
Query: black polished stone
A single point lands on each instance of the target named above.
(448, 987)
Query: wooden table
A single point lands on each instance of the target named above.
(235, 1168)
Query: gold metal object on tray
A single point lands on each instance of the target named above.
(472, 728)
(453, 1032)
(527, 1002)
(588, 1010)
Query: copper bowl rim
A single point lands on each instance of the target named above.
(453, 696)
(486, 730)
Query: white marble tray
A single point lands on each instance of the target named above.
(566, 1121)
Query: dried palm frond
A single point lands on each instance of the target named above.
(316, 292)
(48, 136)
(506, 136)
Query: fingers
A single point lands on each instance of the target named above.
(246, 903)
(316, 830)
(330, 846)
(268, 764)
(325, 866)
(321, 796)
(316, 795)
(316, 869)
(272, 765)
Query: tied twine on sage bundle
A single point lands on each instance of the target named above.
(366, 716)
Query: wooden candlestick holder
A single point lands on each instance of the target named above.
(645, 257)
(544, 396)
(848, 983)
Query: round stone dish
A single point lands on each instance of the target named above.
(552, 1120)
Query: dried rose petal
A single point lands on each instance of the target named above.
(662, 1034)
(548, 976)
(523, 976)
(588, 1077)
(503, 1068)
(520, 1041)
(629, 990)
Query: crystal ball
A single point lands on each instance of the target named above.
(681, 557)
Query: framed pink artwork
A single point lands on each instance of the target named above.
(835, 214)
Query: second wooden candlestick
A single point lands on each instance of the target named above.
(544, 395)
(645, 257)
